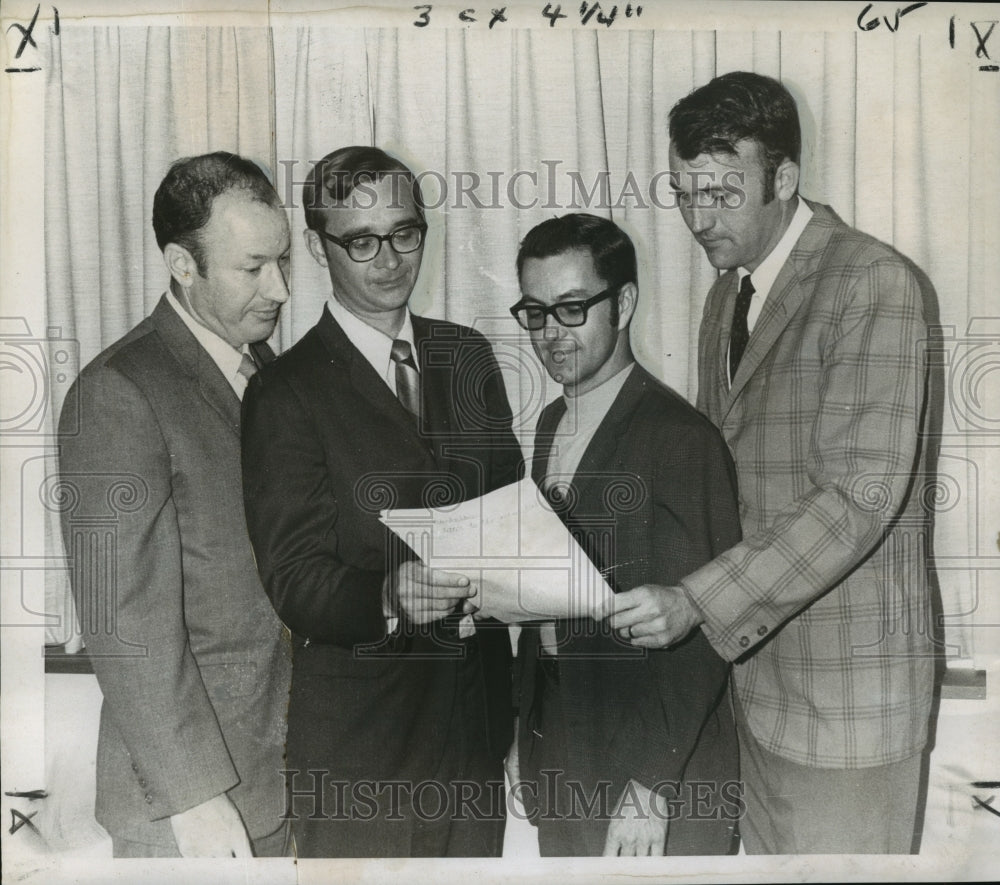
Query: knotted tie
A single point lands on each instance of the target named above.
(248, 368)
(407, 377)
(740, 334)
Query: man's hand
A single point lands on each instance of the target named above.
(639, 826)
(212, 829)
(653, 616)
(428, 595)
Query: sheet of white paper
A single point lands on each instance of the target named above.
(513, 547)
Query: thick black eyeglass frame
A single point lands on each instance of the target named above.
(382, 238)
(520, 310)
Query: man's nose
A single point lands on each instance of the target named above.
(553, 329)
(276, 288)
(700, 220)
(387, 256)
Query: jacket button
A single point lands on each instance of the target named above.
(744, 641)
(149, 799)
(135, 768)
(761, 630)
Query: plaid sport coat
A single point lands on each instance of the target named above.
(825, 604)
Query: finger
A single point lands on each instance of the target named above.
(441, 578)
(652, 626)
(658, 641)
(629, 618)
(469, 607)
(621, 602)
(442, 593)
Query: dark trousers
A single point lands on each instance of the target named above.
(458, 810)
(572, 812)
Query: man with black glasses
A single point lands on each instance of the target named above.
(400, 713)
(628, 752)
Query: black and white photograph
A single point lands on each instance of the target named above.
(503, 442)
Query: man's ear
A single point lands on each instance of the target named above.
(181, 264)
(315, 246)
(786, 180)
(628, 297)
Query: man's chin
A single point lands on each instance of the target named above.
(262, 330)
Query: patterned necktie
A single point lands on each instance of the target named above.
(740, 334)
(407, 377)
(248, 368)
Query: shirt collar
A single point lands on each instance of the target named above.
(223, 354)
(765, 275)
(374, 345)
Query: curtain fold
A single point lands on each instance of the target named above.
(507, 128)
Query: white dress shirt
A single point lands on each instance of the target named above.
(770, 267)
(224, 355)
(375, 346)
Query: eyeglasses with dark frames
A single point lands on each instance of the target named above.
(365, 247)
(566, 313)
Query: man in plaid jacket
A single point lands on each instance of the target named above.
(811, 364)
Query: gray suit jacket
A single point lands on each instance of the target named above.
(188, 652)
(826, 602)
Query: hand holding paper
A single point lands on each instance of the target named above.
(427, 594)
(513, 548)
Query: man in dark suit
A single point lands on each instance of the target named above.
(642, 744)
(188, 653)
(397, 715)
(810, 363)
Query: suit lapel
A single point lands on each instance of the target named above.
(373, 389)
(196, 362)
(787, 296)
(437, 391)
(600, 452)
(551, 415)
(362, 375)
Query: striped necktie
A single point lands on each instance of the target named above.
(407, 377)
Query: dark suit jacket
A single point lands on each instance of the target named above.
(186, 648)
(653, 498)
(827, 601)
(326, 445)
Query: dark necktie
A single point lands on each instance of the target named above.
(740, 334)
(407, 377)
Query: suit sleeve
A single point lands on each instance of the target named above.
(695, 519)
(292, 517)
(118, 465)
(506, 457)
(857, 471)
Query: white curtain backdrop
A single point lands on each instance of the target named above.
(885, 142)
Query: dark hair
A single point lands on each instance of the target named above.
(609, 246)
(342, 170)
(183, 202)
(733, 107)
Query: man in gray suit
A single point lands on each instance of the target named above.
(189, 654)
